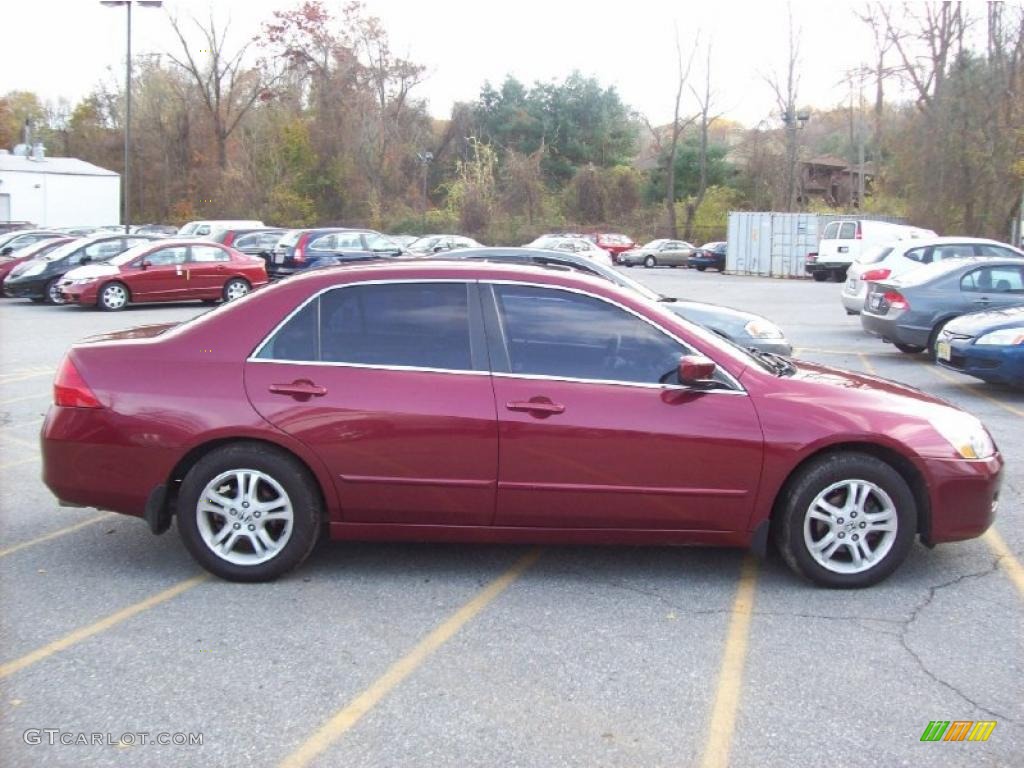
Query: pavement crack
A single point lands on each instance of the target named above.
(910, 620)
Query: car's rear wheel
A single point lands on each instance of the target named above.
(53, 294)
(249, 512)
(650, 261)
(846, 520)
(236, 288)
(909, 349)
(819, 277)
(700, 269)
(113, 297)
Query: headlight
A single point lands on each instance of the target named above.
(966, 434)
(1003, 337)
(763, 329)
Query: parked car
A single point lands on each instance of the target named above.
(709, 255)
(304, 249)
(842, 243)
(14, 241)
(744, 328)
(205, 228)
(441, 401)
(613, 242)
(895, 259)
(403, 241)
(580, 247)
(254, 242)
(163, 230)
(987, 345)
(911, 311)
(166, 270)
(38, 279)
(657, 253)
(439, 243)
(544, 241)
(27, 253)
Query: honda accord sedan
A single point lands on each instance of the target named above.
(165, 270)
(477, 402)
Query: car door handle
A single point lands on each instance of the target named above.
(536, 408)
(983, 300)
(300, 388)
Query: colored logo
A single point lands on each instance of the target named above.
(958, 730)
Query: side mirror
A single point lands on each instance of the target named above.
(144, 264)
(86, 258)
(438, 248)
(695, 370)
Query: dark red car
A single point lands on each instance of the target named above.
(495, 403)
(612, 242)
(165, 270)
(33, 251)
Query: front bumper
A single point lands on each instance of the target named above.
(995, 364)
(963, 496)
(888, 328)
(29, 288)
(85, 293)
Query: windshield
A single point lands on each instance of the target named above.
(423, 243)
(65, 250)
(125, 256)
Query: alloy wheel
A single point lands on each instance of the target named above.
(245, 517)
(850, 526)
(114, 297)
(236, 289)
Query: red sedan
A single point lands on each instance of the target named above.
(165, 270)
(496, 403)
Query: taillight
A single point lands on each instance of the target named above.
(859, 235)
(876, 274)
(297, 254)
(229, 238)
(812, 257)
(70, 389)
(895, 300)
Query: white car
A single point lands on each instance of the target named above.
(579, 246)
(884, 262)
(843, 242)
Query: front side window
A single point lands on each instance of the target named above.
(418, 325)
(551, 332)
(208, 253)
(167, 257)
(994, 280)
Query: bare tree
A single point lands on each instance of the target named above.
(785, 98)
(228, 86)
(874, 16)
(704, 101)
(679, 124)
(926, 51)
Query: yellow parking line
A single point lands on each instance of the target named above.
(730, 678)
(37, 396)
(353, 712)
(868, 366)
(19, 462)
(1013, 566)
(15, 378)
(54, 534)
(974, 391)
(100, 626)
(801, 350)
(18, 441)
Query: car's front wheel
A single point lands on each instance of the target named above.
(113, 297)
(846, 520)
(700, 269)
(908, 349)
(249, 512)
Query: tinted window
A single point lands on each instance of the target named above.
(167, 256)
(830, 231)
(920, 255)
(100, 251)
(249, 241)
(208, 253)
(322, 243)
(349, 241)
(420, 325)
(994, 280)
(559, 333)
(847, 231)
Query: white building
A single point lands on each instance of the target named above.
(57, 191)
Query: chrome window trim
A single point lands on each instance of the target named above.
(732, 381)
(738, 388)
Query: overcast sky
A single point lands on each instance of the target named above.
(62, 48)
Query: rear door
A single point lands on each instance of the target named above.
(388, 383)
(828, 247)
(208, 268)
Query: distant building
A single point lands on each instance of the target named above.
(833, 180)
(56, 191)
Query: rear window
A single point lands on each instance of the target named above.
(875, 254)
(848, 230)
(830, 231)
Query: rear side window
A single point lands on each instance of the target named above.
(550, 332)
(322, 243)
(417, 325)
(249, 241)
(830, 231)
(848, 230)
(349, 241)
(994, 280)
(167, 257)
(877, 253)
(208, 253)
(920, 255)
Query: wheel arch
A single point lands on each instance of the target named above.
(898, 461)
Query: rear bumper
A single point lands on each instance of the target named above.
(963, 496)
(889, 329)
(826, 266)
(854, 302)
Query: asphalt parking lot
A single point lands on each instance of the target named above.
(436, 655)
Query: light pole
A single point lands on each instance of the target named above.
(794, 120)
(425, 159)
(125, 190)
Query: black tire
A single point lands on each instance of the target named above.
(933, 340)
(909, 349)
(650, 262)
(817, 476)
(839, 276)
(113, 297)
(819, 277)
(852, 312)
(700, 269)
(292, 476)
(228, 293)
(51, 295)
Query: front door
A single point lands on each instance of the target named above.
(590, 438)
(389, 386)
(163, 278)
(992, 287)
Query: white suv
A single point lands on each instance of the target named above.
(884, 262)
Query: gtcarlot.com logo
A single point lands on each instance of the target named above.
(958, 730)
(56, 736)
